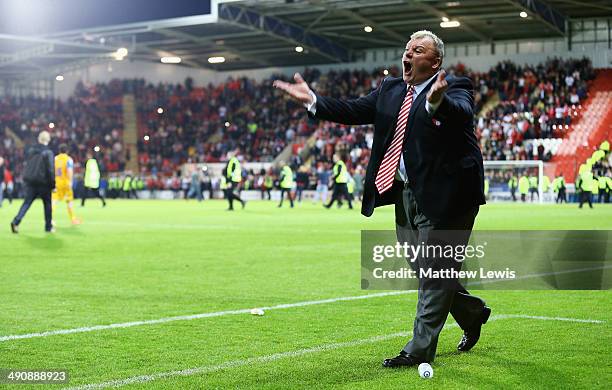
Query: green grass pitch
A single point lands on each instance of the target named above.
(147, 260)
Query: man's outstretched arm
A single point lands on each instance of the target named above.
(352, 112)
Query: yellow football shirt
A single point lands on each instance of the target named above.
(63, 162)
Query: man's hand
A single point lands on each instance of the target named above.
(298, 91)
(437, 89)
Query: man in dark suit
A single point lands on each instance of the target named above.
(426, 161)
(38, 181)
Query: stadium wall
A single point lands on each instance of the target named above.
(478, 56)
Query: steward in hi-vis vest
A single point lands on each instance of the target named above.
(233, 177)
(92, 180)
(340, 178)
(285, 182)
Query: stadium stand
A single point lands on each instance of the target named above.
(592, 128)
(91, 117)
(525, 111)
(202, 124)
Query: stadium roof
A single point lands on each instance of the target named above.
(262, 33)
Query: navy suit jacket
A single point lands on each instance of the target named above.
(441, 154)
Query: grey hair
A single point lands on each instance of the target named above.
(44, 137)
(437, 41)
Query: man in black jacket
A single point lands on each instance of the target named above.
(38, 180)
(426, 161)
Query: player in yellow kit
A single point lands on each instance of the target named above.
(64, 170)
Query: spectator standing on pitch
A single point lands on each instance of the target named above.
(266, 183)
(185, 184)
(207, 186)
(233, 177)
(340, 179)
(38, 180)
(195, 187)
(8, 184)
(91, 181)
(301, 180)
(286, 184)
(64, 175)
(323, 175)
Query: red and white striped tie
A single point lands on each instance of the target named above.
(386, 172)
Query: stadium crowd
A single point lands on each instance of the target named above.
(91, 117)
(534, 102)
(180, 123)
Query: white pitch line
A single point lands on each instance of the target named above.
(195, 316)
(238, 363)
(539, 275)
(150, 226)
(543, 318)
(296, 353)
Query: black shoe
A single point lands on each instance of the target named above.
(243, 204)
(471, 336)
(401, 360)
(14, 228)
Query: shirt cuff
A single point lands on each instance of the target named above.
(312, 107)
(431, 108)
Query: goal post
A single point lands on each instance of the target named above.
(499, 173)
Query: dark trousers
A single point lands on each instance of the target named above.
(435, 301)
(282, 196)
(561, 197)
(92, 191)
(195, 192)
(130, 194)
(265, 191)
(585, 196)
(602, 196)
(340, 191)
(298, 192)
(31, 193)
(231, 195)
(513, 194)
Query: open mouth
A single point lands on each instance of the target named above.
(408, 68)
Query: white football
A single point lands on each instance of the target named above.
(425, 371)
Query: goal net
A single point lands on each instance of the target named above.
(517, 180)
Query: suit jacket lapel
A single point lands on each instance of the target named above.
(419, 100)
(396, 100)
